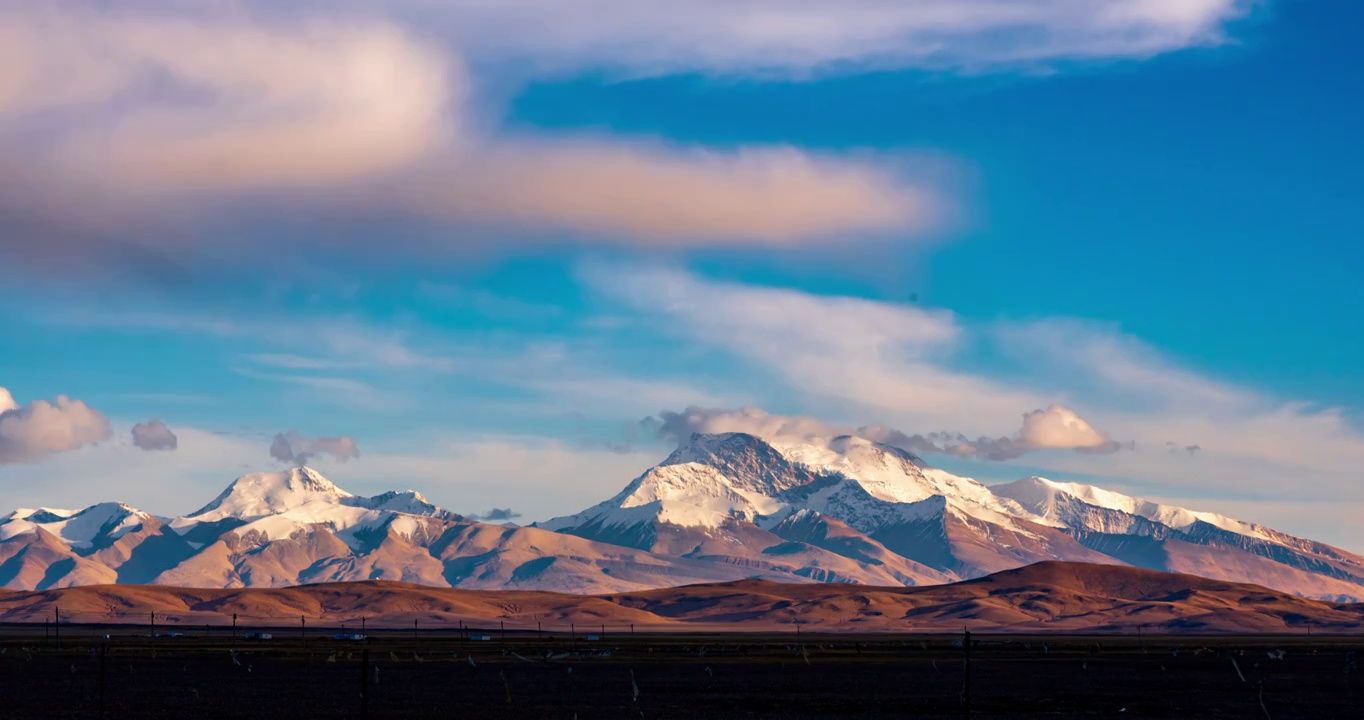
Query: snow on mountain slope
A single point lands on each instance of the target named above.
(720, 507)
(286, 528)
(77, 528)
(267, 506)
(887, 475)
(1044, 498)
(728, 490)
(267, 493)
(688, 494)
(1171, 538)
(724, 490)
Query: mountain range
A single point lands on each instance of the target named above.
(720, 508)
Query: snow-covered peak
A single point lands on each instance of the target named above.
(268, 506)
(892, 475)
(1050, 500)
(750, 463)
(887, 475)
(406, 501)
(712, 477)
(695, 495)
(77, 528)
(688, 494)
(270, 493)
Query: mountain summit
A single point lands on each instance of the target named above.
(719, 508)
(738, 498)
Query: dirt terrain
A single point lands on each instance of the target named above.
(1046, 597)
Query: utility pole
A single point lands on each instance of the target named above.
(502, 625)
(57, 625)
(414, 628)
(302, 627)
(152, 617)
(234, 630)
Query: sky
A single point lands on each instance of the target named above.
(494, 251)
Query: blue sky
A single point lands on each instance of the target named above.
(490, 265)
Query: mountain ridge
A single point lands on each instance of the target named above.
(718, 508)
(952, 525)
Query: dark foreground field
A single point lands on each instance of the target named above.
(679, 676)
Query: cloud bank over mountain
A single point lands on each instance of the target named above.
(1055, 428)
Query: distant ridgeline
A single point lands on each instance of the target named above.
(720, 508)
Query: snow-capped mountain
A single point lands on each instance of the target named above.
(1165, 537)
(720, 507)
(727, 495)
(287, 528)
(719, 492)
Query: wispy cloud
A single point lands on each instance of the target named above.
(339, 391)
(786, 39)
(874, 356)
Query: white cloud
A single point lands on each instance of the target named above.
(798, 38)
(1059, 427)
(162, 483)
(134, 127)
(179, 119)
(855, 360)
(1121, 366)
(1150, 398)
(661, 195)
(299, 105)
(1055, 428)
(876, 359)
(29, 433)
(677, 426)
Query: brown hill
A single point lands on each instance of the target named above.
(1049, 596)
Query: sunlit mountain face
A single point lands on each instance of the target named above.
(721, 507)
